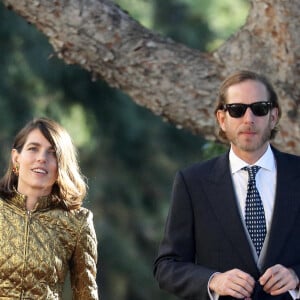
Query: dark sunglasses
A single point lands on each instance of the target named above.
(237, 110)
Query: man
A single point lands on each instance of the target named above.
(209, 250)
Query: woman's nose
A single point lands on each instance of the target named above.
(42, 156)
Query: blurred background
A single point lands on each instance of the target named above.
(129, 155)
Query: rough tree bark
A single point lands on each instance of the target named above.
(173, 81)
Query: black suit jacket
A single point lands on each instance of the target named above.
(204, 232)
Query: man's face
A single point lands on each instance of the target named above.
(248, 134)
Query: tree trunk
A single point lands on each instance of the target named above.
(173, 81)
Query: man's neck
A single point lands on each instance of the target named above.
(250, 157)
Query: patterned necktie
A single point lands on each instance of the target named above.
(254, 211)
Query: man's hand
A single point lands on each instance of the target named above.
(234, 283)
(278, 280)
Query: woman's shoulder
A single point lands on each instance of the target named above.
(81, 213)
(73, 218)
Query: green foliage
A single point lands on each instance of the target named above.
(141, 10)
(203, 24)
(129, 155)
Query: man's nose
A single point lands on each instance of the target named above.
(249, 115)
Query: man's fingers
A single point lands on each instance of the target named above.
(279, 279)
(234, 283)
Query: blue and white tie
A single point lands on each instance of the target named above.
(254, 211)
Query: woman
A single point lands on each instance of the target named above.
(45, 233)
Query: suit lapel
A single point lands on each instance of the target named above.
(225, 206)
(286, 207)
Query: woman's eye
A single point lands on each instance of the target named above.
(32, 148)
(52, 152)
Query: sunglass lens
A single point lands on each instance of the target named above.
(237, 110)
(260, 109)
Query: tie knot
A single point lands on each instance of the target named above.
(252, 171)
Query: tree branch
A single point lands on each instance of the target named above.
(173, 81)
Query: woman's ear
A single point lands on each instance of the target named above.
(14, 156)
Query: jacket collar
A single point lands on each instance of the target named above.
(43, 202)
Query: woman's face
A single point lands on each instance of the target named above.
(37, 164)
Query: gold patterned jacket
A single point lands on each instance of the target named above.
(39, 248)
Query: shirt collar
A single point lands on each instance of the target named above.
(267, 161)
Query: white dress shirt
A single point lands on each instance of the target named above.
(265, 181)
(266, 185)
